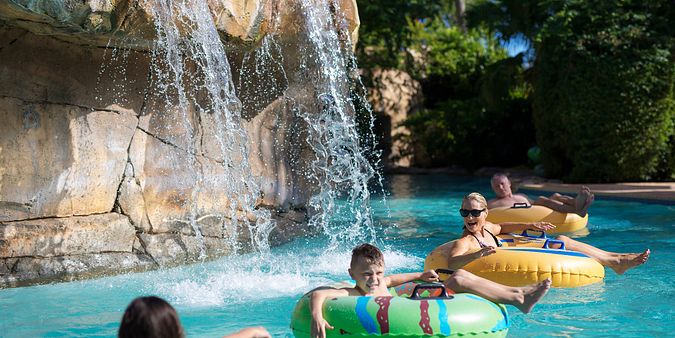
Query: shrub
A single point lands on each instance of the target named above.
(477, 110)
(603, 91)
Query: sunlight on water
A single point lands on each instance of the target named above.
(224, 295)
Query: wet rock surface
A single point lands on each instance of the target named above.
(85, 152)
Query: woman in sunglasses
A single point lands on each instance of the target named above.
(479, 239)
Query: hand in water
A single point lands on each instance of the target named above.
(251, 332)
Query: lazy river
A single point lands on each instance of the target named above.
(420, 213)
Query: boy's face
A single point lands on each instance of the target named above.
(368, 276)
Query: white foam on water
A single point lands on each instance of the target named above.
(236, 287)
(398, 260)
(248, 278)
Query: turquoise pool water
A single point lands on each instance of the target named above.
(421, 212)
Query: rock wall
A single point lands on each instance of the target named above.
(93, 176)
(395, 96)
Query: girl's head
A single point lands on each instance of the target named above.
(150, 317)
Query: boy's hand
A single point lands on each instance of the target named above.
(318, 328)
(429, 276)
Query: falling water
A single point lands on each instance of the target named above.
(188, 59)
(340, 167)
(189, 54)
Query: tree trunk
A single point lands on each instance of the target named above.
(460, 7)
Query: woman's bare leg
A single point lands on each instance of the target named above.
(524, 298)
(619, 262)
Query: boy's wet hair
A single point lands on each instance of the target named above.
(370, 253)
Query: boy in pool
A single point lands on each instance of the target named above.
(367, 270)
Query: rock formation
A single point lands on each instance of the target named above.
(93, 172)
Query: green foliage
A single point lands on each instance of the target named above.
(384, 34)
(446, 52)
(478, 112)
(474, 94)
(603, 91)
(464, 132)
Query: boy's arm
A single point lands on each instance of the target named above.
(400, 278)
(319, 324)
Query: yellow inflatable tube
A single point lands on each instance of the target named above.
(527, 240)
(518, 266)
(563, 222)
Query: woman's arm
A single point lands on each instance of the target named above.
(461, 254)
(250, 332)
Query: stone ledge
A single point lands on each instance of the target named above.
(24, 271)
(51, 237)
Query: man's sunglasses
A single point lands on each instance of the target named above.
(474, 212)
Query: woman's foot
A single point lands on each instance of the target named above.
(532, 294)
(623, 262)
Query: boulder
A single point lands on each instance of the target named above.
(25, 271)
(52, 237)
(394, 97)
(98, 175)
(60, 160)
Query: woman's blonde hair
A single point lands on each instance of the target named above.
(478, 198)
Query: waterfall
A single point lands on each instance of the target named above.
(188, 60)
(189, 57)
(341, 167)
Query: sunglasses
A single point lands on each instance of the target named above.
(473, 212)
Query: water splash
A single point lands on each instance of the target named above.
(248, 278)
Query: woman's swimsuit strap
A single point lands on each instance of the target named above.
(499, 243)
(483, 245)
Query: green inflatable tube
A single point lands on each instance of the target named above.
(405, 315)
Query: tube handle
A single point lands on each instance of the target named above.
(526, 234)
(429, 286)
(520, 205)
(554, 241)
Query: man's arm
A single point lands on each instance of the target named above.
(496, 203)
(319, 324)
